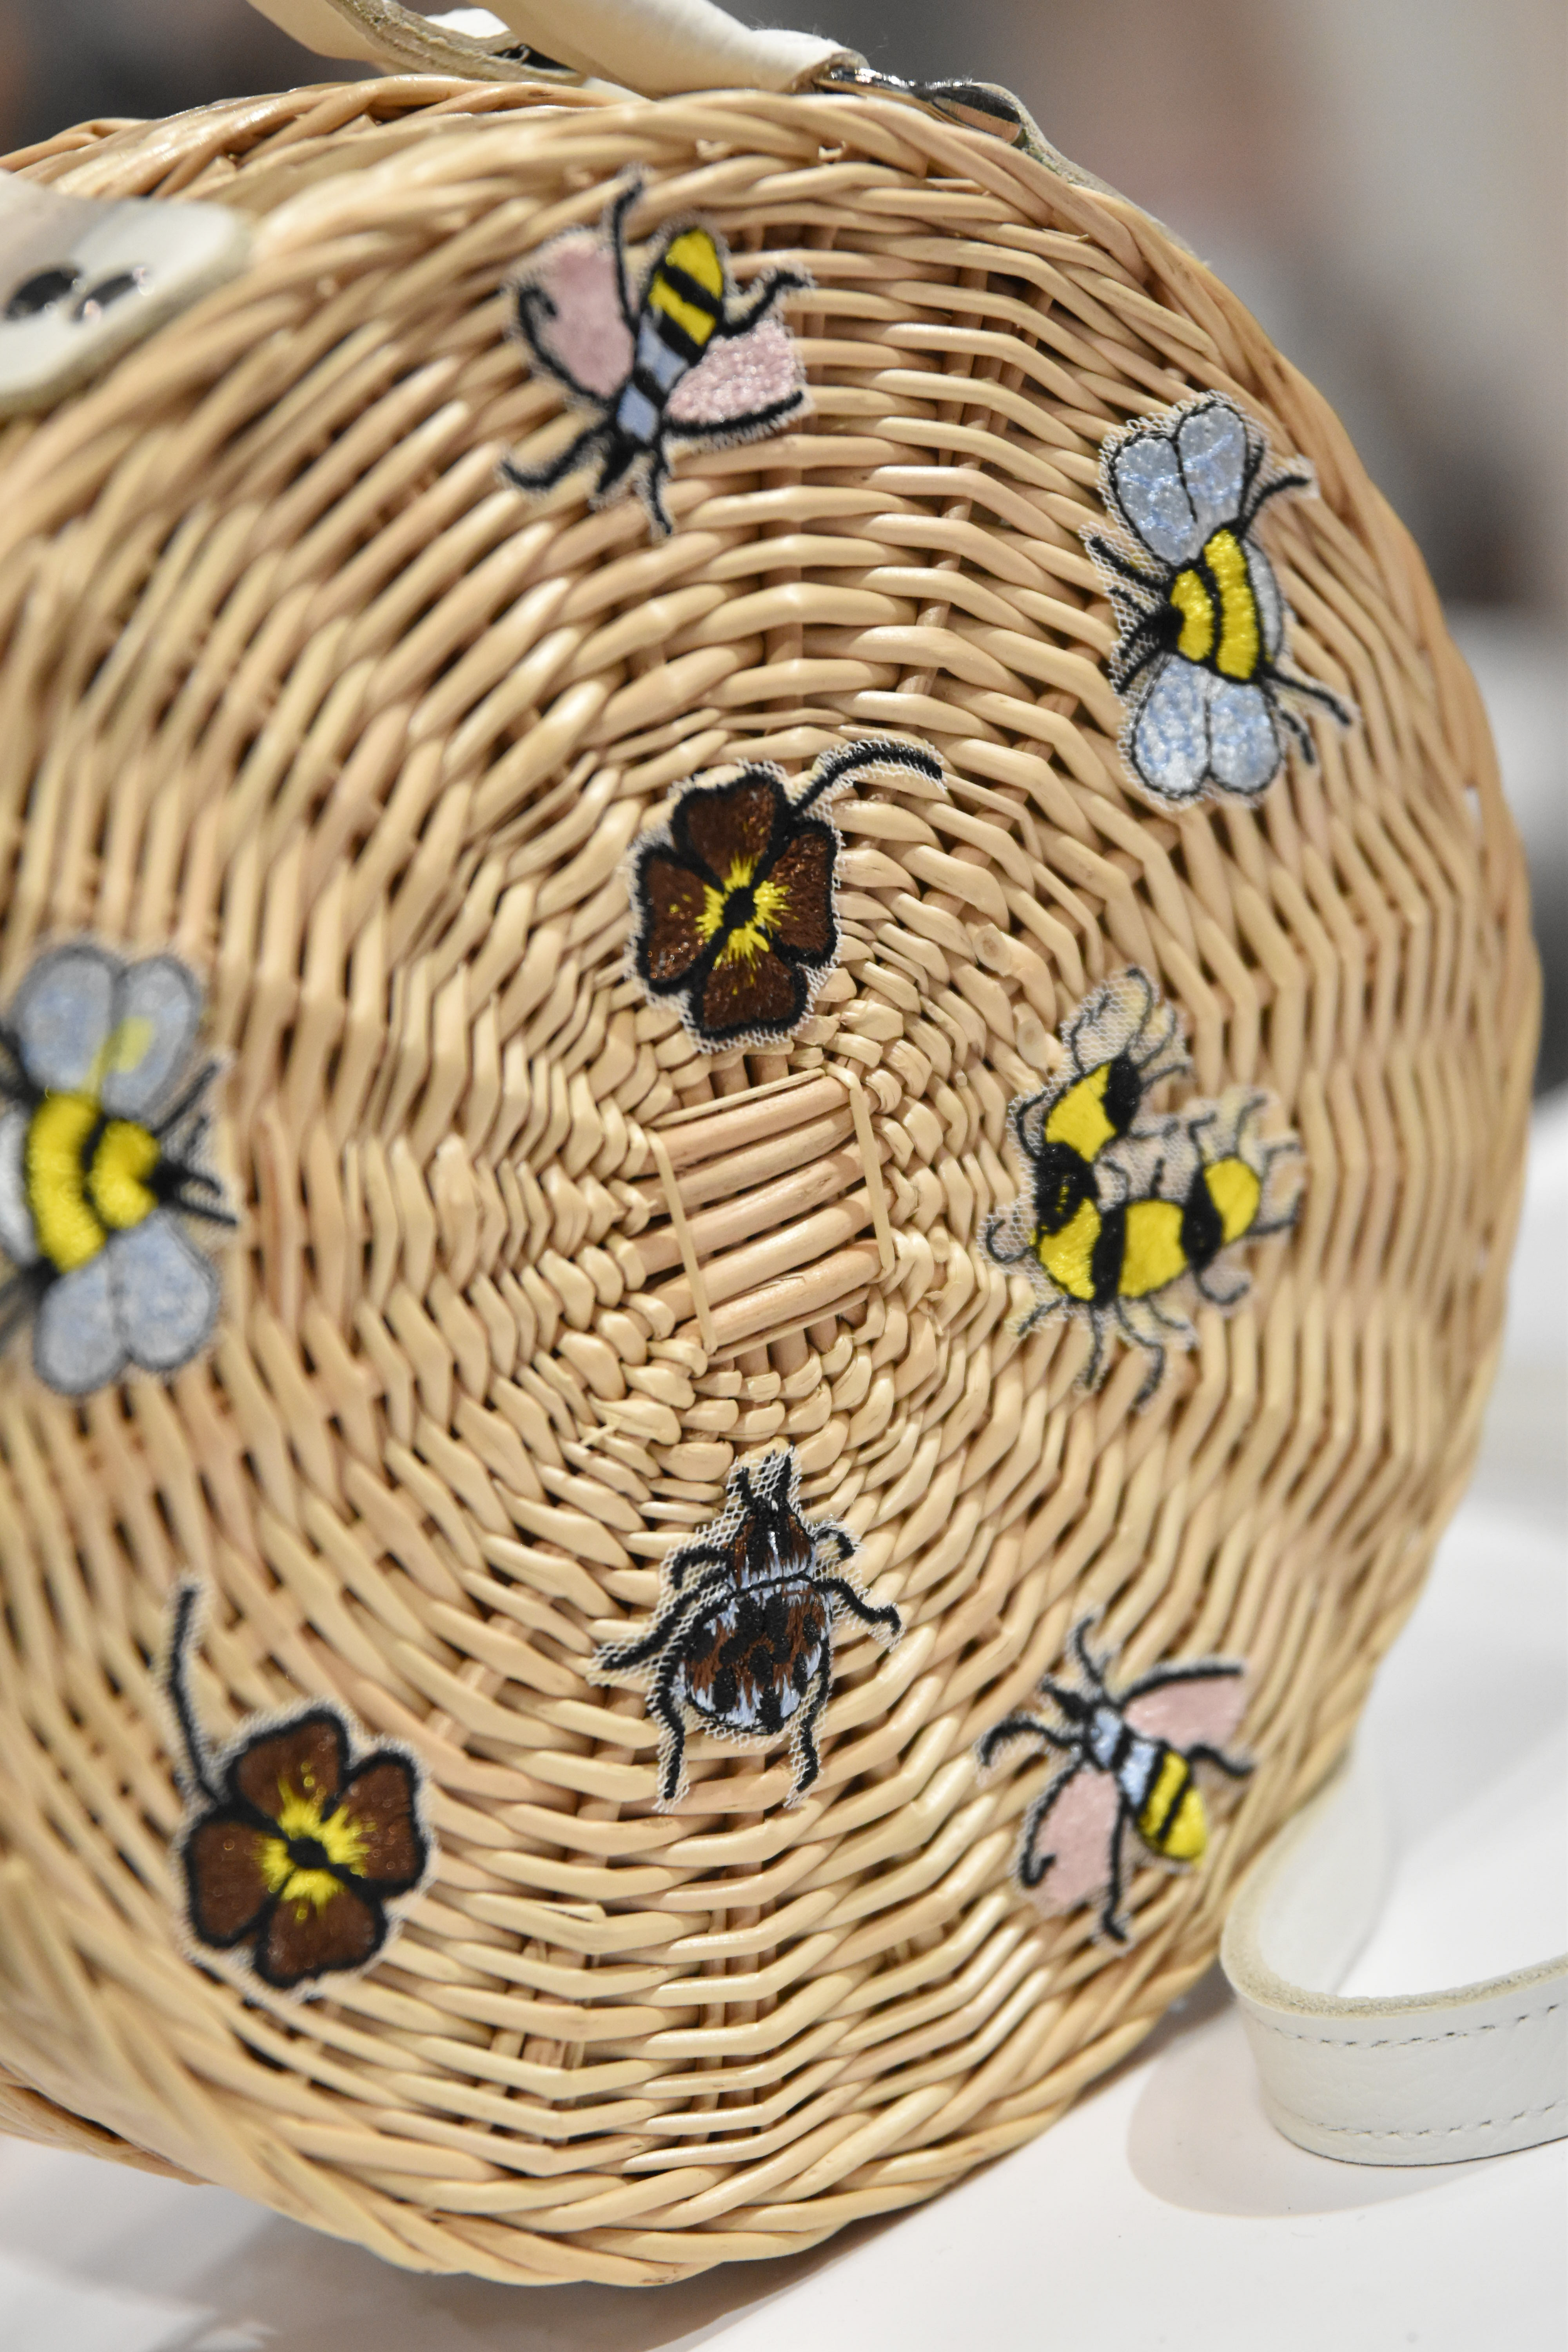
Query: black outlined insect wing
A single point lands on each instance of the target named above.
(688, 357)
(1199, 658)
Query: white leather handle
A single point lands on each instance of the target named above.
(656, 46)
(1427, 2078)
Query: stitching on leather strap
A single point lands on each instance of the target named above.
(1409, 2042)
(1430, 2131)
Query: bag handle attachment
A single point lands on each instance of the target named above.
(1420, 2078)
(657, 48)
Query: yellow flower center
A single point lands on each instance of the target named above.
(749, 924)
(297, 1877)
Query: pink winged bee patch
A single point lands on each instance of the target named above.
(686, 357)
(1132, 1762)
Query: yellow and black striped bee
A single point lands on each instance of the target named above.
(1200, 658)
(98, 1164)
(741, 1644)
(688, 358)
(1161, 1213)
(1121, 1042)
(1131, 1754)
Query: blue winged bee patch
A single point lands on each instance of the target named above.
(1199, 662)
(102, 1134)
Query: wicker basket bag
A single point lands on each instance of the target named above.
(542, 1295)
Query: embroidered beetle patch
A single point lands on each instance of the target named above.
(733, 900)
(1119, 1217)
(684, 357)
(1199, 664)
(301, 1845)
(101, 1164)
(1131, 1758)
(741, 1644)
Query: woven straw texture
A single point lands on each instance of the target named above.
(291, 683)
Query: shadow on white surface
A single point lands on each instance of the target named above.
(1198, 2136)
(96, 2258)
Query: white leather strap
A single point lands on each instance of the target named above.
(1427, 2078)
(656, 46)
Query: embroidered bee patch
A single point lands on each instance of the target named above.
(1210, 703)
(741, 1644)
(301, 1845)
(733, 900)
(686, 357)
(1133, 1758)
(100, 1166)
(1120, 1043)
(1121, 1217)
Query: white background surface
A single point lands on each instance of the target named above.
(1163, 2214)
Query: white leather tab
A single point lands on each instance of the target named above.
(82, 278)
(1424, 2078)
(659, 47)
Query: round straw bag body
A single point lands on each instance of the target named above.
(799, 1214)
